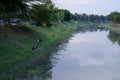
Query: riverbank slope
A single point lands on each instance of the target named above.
(112, 26)
(22, 47)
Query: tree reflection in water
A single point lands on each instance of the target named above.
(114, 37)
(89, 28)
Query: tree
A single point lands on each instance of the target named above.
(114, 16)
(92, 17)
(11, 8)
(45, 14)
(75, 17)
(67, 15)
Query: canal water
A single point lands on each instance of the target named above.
(90, 54)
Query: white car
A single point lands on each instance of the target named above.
(14, 22)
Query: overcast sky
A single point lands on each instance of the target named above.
(99, 7)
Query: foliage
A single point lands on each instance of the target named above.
(45, 14)
(92, 17)
(12, 8)
(114, 16)
(12, 5)
(67, 15)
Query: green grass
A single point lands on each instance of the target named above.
(108, 26)
(16, 54)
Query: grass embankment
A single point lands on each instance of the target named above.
(112, 26)
(16, 54)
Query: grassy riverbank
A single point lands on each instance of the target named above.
(112, 26)
(16, 54)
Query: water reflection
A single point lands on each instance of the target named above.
(90, 28)
(114, 37)
(90, 55)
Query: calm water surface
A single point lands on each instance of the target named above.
(89, 55)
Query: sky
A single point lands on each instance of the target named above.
(100, 7)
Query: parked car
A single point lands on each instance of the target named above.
(15, 22)
(1, 22)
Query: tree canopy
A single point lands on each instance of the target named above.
(92, 17)
(12, 8)
(12, 5)
(45, 14)
(114, 16)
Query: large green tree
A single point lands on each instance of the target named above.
(114, 16)
(67, 15)
(45, 14)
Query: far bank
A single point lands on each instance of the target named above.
(112, 26)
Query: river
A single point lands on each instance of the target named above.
(90, 54)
